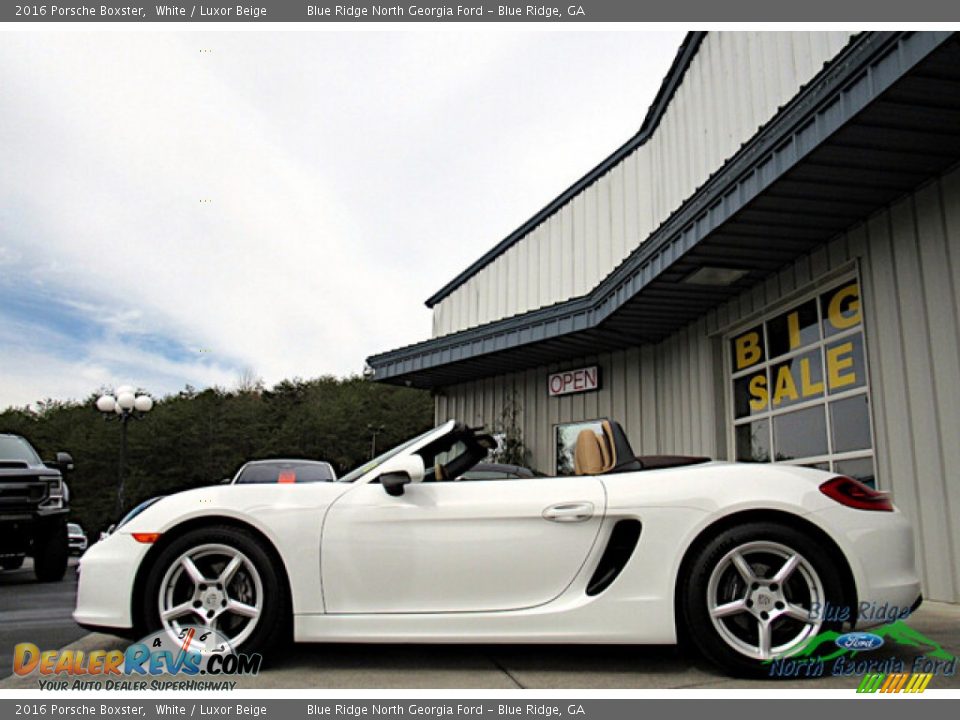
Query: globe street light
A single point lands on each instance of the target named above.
(125, 406)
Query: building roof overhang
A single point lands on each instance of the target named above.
(876, 122)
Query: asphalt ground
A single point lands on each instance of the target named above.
(40, 613)
(36, 612)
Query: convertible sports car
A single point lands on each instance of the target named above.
(741, 560)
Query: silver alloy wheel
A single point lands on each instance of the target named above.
(211, 587)
(763, 599)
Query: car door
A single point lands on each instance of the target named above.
(458, 546)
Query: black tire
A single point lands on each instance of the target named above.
(12, 563)
(713, 578)
(50, 552)
(273, 622)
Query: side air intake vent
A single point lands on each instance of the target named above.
(620, 547)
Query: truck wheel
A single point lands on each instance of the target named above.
(50, 552)
(11, 563)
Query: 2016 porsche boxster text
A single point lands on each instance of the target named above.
(735, 558)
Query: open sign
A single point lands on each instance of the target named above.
(574, 381)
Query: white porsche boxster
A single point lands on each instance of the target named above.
(743, 561)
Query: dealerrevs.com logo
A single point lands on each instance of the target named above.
(157, 662)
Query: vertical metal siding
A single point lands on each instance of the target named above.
(910, 267)
(681, 402)
(631, 204)
(669, 397)
(735, 83)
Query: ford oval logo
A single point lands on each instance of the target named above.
(859, 641)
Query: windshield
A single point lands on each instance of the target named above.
(74, 528)
(285, 472)
(380, 459)
(18, 450)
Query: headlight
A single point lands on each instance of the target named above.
(54, 499)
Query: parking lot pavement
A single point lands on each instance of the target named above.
(36, 612)
(532, 667)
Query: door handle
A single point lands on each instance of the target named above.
(569, 512)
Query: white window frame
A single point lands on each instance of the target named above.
(729, 377)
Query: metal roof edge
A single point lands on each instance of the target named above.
(681, 61)
(694, 214)
(580, 304)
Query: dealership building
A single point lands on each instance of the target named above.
(768, 271)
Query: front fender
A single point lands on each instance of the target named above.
(289, 516)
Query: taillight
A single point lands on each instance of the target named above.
(855, 494)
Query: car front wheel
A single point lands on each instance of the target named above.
(218, 579)
(756, 593)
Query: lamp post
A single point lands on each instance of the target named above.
(374, 431)
(124, 407)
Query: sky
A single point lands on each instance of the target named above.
(186, 208)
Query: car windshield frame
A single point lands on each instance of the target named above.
(410, 445)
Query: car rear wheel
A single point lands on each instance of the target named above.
(756, 593)
(50, 552)
(220, 579)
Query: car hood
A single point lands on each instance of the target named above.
(255, 503)
(27, 473)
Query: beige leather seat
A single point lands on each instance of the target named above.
(593, 454)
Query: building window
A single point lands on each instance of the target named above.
(567, 434)
(799, 386)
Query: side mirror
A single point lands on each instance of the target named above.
(399, 471)
(393, 482)
(64, 461)
(226, 481)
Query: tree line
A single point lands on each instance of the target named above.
(196, 438)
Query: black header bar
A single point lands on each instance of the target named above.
(482, 11)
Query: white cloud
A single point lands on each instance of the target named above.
(349, 175)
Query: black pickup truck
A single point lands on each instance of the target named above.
(34, 502)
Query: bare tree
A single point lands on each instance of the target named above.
(248, 382)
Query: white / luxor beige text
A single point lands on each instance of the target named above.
(224, 11)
